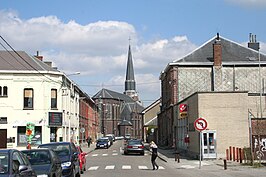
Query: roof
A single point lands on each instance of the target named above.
(109, 94)
(152, 105)
(21, 61)
(232, 52)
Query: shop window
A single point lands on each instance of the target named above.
(22, 139)
(54, 98)
(28, 98)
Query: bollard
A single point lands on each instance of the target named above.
(225, 164)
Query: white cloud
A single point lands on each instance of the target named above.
(249, 3)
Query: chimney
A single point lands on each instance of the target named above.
(38, 56)
(217, 52)
(49, 63)
(253, 44)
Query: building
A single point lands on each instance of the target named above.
(119, 114)
(221, 81)
(149, 116)
(33, 91)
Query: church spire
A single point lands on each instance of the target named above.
(130, 84)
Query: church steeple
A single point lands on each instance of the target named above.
(130, 84)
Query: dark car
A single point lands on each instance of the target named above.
(14, 163)
(44, 161)
(103, 143)
(68, 154)
(82, 159)
(134, 146)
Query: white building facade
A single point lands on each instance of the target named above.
(33, 91)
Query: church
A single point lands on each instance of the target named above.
(120, 113)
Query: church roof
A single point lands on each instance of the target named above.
(130, 70)
(109, 94)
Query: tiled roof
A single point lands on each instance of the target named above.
(21, 61)
(232, 52)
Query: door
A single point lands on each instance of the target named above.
(3, 138)
(209, 144)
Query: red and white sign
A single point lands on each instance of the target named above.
(200, 124)
(183, 108)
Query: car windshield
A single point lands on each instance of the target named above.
(102, 140)
(3, 163)
(38, 157)
(59, 149)
(134, 142)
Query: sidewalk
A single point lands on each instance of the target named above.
(87, 149)
(168, 155)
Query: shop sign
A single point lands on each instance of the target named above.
(55, 119)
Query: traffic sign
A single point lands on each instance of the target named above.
(200, 124)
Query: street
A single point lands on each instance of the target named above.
(113, 162)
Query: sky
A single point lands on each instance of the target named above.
(92, 36)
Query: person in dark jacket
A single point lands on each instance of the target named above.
(153, 148)
(89, 141)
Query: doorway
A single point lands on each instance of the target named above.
(209, 144)
(3, 138)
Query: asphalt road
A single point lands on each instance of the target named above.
(113, 163)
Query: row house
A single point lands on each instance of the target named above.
(32, 91)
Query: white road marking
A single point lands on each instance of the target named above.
(143, 167)
(115, 154)
(202, 163)
(161, 168)
(110, 167)
(93, 168)
(105, 155)
(94, 155)
(126, 167)
(114, 150)
(187, 166)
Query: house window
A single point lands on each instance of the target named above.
(53, 98)
(28, 98)
(5, 91)
(3, 120)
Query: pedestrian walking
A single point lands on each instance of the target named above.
(89, 141)
(154, 154)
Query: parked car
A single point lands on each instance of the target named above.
(14, 163)
(127, 137)
(110, 139)
(44, 161)
(134, 146)
(68, 154)
(103, 143)
(111, 135)
(82, 160)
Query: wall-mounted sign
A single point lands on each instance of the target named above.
(200, 124)
(55, 119)
(183, 108)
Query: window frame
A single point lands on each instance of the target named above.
(54, 100)
(24, 99)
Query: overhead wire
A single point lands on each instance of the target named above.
(23, 59)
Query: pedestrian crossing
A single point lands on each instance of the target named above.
(123, 167)
(113, 153)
